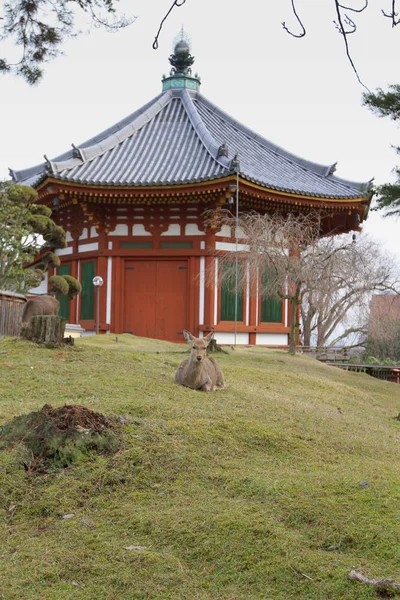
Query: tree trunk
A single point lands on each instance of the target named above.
(48, 330)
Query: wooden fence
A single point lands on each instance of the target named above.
(326, 353)
(11, 307)
(379, 371)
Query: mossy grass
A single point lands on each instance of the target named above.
(272, 489)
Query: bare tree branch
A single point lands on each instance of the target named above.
(357, 10)
(177, 3)
(298, 20)
(344, 34)
(392, 15)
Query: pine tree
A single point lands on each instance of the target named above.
(28, 238)
(387, 104)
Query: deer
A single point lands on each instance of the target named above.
(41, 305)
(199, 371)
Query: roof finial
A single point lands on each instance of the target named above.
(181, 61)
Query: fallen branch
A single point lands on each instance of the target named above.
(388, 586)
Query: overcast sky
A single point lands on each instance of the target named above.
(298, 93)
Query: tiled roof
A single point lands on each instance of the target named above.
(181, 137)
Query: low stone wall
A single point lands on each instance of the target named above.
(11, 308)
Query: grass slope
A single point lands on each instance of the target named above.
(231, 495)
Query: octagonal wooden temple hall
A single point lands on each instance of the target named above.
(132, 200)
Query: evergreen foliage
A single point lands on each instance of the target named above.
(75, 287)
(40, 27)
(28, 235)
(387, 104)
(59, 284)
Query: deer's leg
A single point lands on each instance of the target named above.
(207, 386)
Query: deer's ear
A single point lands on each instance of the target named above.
(188, 336)
(209, 337)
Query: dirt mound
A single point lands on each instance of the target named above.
(58, 437)
(72, 417)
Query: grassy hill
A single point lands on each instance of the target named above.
(270, 490)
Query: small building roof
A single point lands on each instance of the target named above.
(180, 137)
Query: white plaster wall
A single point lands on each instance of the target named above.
(272, 339)
(193, 229)
(84, 235)
(121, 229)
(110, 245)
(173, 229)
(225, 231)
(93, 232)
(88, 247)
(68, 236)
(229, 338)
(230, 246)
(63, 251)
(138, 229)
(42, 288)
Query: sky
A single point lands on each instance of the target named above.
(299, 93)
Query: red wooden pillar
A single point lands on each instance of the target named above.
(209, 291)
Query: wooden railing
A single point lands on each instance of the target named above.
(379, 371)
(326, 353)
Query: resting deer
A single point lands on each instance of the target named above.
(199, 371)
(41, 305)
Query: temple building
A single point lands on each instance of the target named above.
(132, 200)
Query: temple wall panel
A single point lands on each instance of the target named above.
(84, 235)
(64, 251)
(229, 338)
(88, 247)
(139, 230)
(173, 229)
(193, 229)
(225, 231)
(272, 339)
(120, 229)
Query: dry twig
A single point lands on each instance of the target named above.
(381, 585)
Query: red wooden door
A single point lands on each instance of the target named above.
(156, 298)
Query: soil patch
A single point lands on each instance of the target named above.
(53, 438)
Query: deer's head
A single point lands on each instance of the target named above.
(198, 345)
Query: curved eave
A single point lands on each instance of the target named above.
(223, 182)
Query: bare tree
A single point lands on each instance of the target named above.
(273, 258)
(324, 279)
(349, 273)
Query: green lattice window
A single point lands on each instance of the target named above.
(136, 245)
(228, 296)
(87, 294)
(271, 306)
(64, 301)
